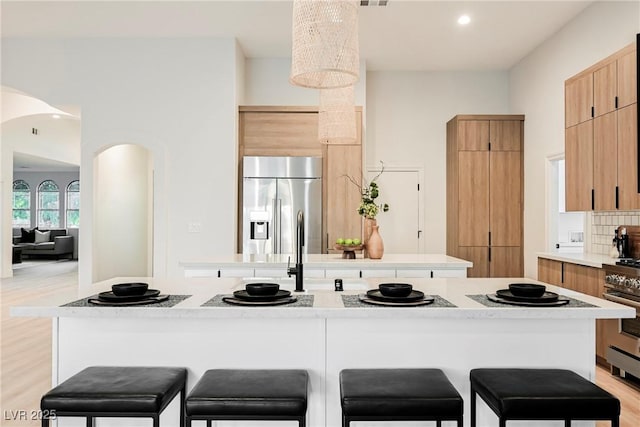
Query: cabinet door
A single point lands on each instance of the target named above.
(479, 256)
(583, 279)
(343, 197)
(506, 261)
(473, 135)
(605, 161)
(505, 198)
(578, 100)
(604, 89)
(628, 197)
(280, 134)
(579, 167)
(505, 135)
(627, 80)
(550, 271)
(473, 198)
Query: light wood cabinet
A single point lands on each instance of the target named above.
(485, 193)
(578, 95)
(605, 162)
(578, 153)
(628, 186)
(627, 82)
(601, 159)
(343, 197)
(293, 131)
(604, 89)
(580, 278)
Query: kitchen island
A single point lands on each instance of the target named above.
(327, 332)
(329, 266)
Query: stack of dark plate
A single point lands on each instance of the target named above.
(260, 294)
(395, 295)
(124, 294)
(528, 295)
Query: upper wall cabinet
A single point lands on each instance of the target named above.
(578, 95)
(601, 147)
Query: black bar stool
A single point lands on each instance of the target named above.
(116, 391)
(398, 395)
(541, 394)
(246, 394)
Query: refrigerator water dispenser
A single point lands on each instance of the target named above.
(259, 230)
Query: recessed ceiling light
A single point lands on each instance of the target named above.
(464, 20)
(56, 116)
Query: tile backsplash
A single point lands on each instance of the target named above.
(603, 225)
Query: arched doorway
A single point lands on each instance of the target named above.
(123, 212)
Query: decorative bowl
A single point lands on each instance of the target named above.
(129, 289)
(395, 289)
(262, 288)
(530, 290)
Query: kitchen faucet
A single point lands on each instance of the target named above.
(297, 270)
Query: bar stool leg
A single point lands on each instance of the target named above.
(615, 422)
(302, 422)
(45, 422)
(503, 422)
(156, 420)
(438, 423)
(345, 421)
(89, 421)
(473, 407)
(567, 423)
(182, 408)
(208, 423)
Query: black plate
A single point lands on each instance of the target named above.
(375, 294)
(281, 301)
(111, 297)
(149, 300)
(556, 303)
(508, 295)
(422, 301)
(245, 296)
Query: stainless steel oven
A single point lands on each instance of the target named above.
(622, 285)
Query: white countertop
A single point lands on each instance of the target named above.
(331, 261)
(327, 303)
(587, 259)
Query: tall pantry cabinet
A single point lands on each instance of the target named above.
(485, 193)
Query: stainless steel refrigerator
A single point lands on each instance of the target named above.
(274, 190)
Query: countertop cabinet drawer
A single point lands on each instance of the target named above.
(413, 273)
(341, 273)
(236, 272)
(379, 273)
(449, 273)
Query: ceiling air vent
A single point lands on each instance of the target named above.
(373, 2)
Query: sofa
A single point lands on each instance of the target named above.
(58, 245)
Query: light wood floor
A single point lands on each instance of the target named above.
(26, 348)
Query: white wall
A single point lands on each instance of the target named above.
(537, 90)
(407, 114)
(177, 98)
(267, 83)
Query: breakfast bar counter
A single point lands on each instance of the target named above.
(323, 332)
(329, 266)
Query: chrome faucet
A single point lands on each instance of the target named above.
(297, 270)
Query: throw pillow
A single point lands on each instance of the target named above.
(28, 236)
(42, 237)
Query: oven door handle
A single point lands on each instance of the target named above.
(621, 300)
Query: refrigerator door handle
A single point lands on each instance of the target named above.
(274, 227)
(279, 219)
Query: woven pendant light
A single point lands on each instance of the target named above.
(325, 51)
(337, 116)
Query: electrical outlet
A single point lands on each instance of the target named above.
(194, 227)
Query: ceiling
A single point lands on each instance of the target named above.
(26, 163)
(404, 35)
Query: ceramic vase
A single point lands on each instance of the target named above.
(368, 224)
(375, 246)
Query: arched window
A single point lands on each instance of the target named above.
(48, 205)
(21, 204)
(73, 204)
